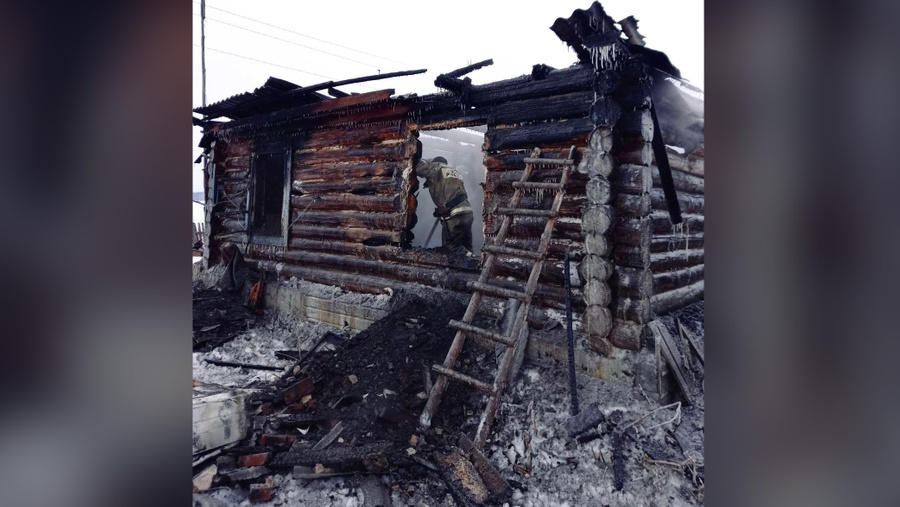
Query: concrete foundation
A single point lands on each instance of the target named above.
(325, 304)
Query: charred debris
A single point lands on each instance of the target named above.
(313, 187)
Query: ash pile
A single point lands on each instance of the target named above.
(335, 422)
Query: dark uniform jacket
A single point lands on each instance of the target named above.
(446, 187)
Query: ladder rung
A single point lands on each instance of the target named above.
(550, 161)
(542, 185)
(497, 291)
(515, 252)
(527, 212)
(465, 379)
(490, 335)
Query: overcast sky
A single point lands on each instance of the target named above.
(300, 41)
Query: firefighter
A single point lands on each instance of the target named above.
(452, 208)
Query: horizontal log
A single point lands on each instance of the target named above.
(688, 203)
(557, 82)
(346, 171)
(501, 182)
(661, 224)
(665, 302)
(665, 282)
(537, 315)
(555, 251)
(670, 261)
(351, 234)
(633, 150)
(232, 201)
(339, 247)
(240, 162)
(236, 237)
(232, 225)
(633, 283)
(364, 135)
(633, 205)
(236, 149)
(384, 152)
(674, 242)
(631, 231)
(684, 182)
(529, 227)
(384, 185)
(352, 281)
(554, 107)
(346, 202)
(552, 272)
(539, 134)
(512, 160)
(690, 164)
(235, 187)
(631, 256)
(637, 123)
(414, 257)
(554, 296)
(233, 173)
(634, 310)
(384, 221)
(632, 179)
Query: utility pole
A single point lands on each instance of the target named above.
(203, 46)
(210, 193)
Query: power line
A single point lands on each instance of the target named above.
(304, 35)
(263, 61)
(276, 65)
(289, 42)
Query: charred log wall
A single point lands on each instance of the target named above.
(352, 193)
(657, 267)
(352, 203)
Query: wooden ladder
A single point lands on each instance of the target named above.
(481, 287)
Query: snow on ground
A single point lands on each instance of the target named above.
(256, 346)
(545, 467)
(563, 472)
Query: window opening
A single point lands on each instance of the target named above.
(268, 192)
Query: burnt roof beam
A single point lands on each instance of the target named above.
(307, 90)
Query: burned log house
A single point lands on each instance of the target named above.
(322, 187)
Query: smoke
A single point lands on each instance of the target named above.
(680, 112)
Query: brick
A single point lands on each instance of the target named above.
(261, 493)
(253, 460)
(297, 391)
(276, 440)
(296, 408)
